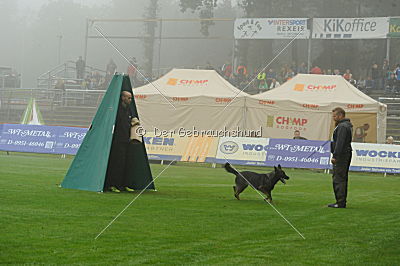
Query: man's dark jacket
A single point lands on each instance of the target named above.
(342, 136)
(122, 124)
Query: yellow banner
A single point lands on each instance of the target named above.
(188, 149)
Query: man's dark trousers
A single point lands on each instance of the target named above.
(340, 177)
(116, 170)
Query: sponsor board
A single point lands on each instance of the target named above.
(250, 151)
(41, 139)
(271, 152)
(350, 28)
(271, 28)
(394, 28)
(190, 149)
(371, 157)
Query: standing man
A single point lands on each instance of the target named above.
(117, 166)
(341, 156)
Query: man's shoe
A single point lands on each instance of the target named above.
(335, 205)
(129, 189)
(114, 189)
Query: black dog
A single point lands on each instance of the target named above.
(262, 182)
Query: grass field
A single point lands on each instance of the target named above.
(193, 218)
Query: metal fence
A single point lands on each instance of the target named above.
(67, 107)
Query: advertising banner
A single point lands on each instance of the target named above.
(180, 148)
(370, 157)
(41, 139)
(69, 139)
(271, 152)
(350, 28)
(282, 123)
(271, 28)
(28, 138)
(364, 127)
(394, 28)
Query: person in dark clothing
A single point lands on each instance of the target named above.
(297, 135)
(80, 68)
(341, 156)
(117, 167)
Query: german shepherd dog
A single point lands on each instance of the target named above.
(262, 182)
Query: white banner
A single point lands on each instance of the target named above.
(370, 157)
(350, 28)
(271, 28)
(249, 150)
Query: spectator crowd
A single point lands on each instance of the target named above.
(378, 78)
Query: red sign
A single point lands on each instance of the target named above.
(186, 82)
(140, 96)
(281, 120)
(223, 100)
(265, 102)
(311, 106)
(355, 106)
(180, 99)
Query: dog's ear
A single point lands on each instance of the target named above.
(279, 166)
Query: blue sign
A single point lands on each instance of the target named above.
(298, 153)
(69, 139)
(272, 152)
(41, 139)
(28, 138)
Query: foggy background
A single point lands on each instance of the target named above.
(38, 35)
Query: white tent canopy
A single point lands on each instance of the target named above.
(305, 103)
(190, 98)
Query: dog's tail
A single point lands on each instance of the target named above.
(229, 168)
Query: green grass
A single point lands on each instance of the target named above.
(193, 218)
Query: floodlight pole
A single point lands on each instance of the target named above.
(233, 55)
(159, 46)
(86, 40)
(310, 28)
(388, 49)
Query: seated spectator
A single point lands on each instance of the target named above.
(391, 84)
(336, 72)
(297, 135)
(397, 74)
(226, 70)
(289, 74)
(369, 84)
(347, 75)
(316, 70)
(274, 84)
(389, 140)
(262, 86)
(271, 74)
(302, 69)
